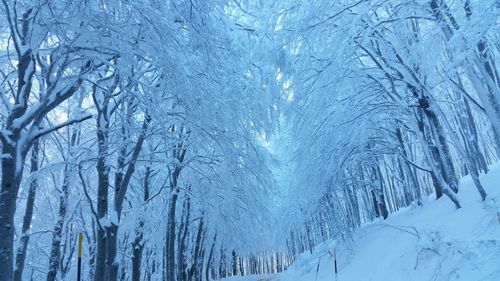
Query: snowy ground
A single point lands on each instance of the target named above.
(251, 278)
(433, 242)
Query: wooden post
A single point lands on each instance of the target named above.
(317, 269)
(335, 261)
(79, 271)
(498, 217)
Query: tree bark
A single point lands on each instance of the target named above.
(138, 244)
(102, 194)
(137, 250)
(170, 256)
(11, 180)
(55, 252)
(122, 181)
(197, 252)
(182, 236)
(28, 214)
(209, 260)
(13, 161)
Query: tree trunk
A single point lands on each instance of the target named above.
(11, 180)
(28, 215)
(197, 252)
(382, 202)
(55, 252)
(182, 236)
(409, 170)
(111, 249)
(137, 250)
(170, 255)
(102, 196)
(122, 181)
(138, 244)
(179, 153)
(209, 260)
(443, 156)
(234, 263)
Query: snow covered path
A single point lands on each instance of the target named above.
(251, 278)
(435, 242)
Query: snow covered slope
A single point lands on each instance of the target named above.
(251, 278)
(433, 242)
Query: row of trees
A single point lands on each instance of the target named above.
(396, 101)
(147, 125)
(134, 122)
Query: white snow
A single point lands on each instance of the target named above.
(113, 217)
(250, 278)
(433, 242)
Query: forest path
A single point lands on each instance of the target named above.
(267, 277)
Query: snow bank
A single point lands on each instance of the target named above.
(433, 242)
(250, 278)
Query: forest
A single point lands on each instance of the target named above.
(193, 140)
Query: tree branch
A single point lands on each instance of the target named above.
(84, 185)
(414, 164)
(12, 27)
(62, 125)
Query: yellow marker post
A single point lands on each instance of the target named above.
(79, 272)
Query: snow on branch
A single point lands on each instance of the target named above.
(62, 125)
